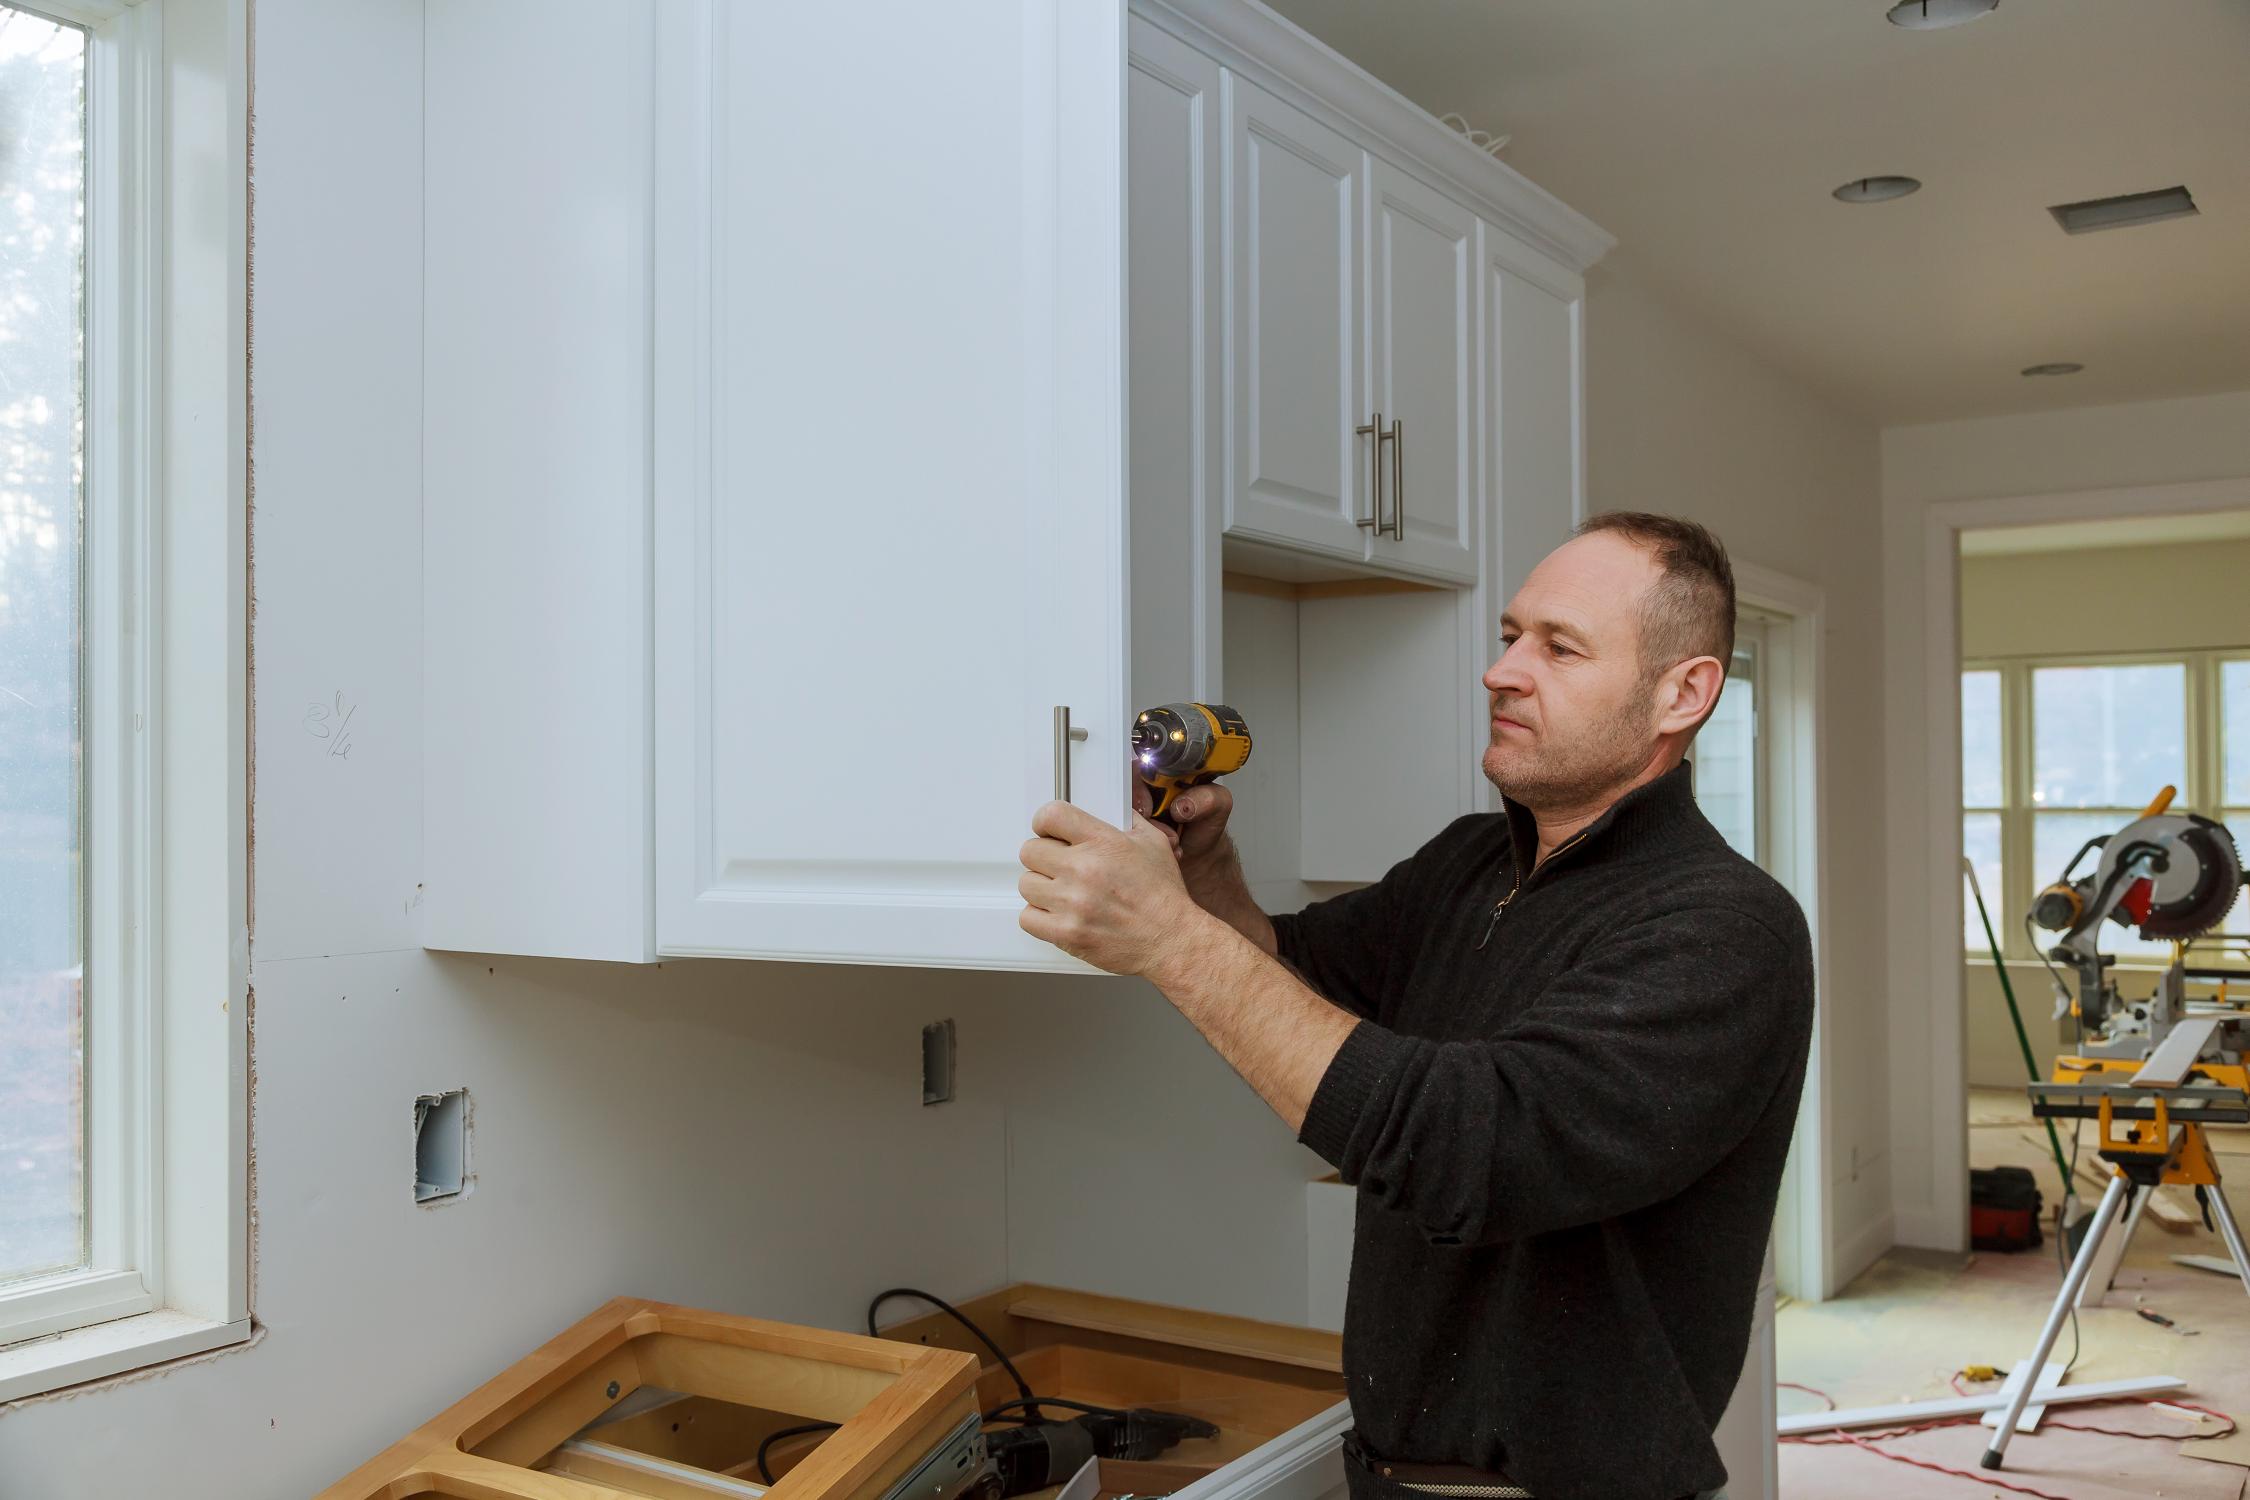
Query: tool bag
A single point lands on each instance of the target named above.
(2005, 1208)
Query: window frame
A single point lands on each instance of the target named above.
(165, 674)
(2202, 757)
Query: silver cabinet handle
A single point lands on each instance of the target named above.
(1398, 479)
(1064, 734)
(1374, 430)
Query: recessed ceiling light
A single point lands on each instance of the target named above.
(1877, 189)
(2059, 367)
(1933, 15)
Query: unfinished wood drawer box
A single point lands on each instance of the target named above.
(711, 1386)
(1274, 1392)
(646, 1401)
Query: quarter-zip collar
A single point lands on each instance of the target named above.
(1651, 811)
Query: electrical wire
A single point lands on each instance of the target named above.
(1006, 1410)
(1023, 1386)
(1867, 1441)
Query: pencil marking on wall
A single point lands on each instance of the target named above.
(332, 721)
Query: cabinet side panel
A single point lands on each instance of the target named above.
(536, 481)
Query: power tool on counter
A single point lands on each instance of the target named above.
(1047, 1452)
(1179, 745)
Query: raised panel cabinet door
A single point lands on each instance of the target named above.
(1298, 472)
(888, 471)
(1424, 255)
(1532, 418)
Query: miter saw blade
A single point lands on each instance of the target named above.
(2185, 908)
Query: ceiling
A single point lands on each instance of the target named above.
(2083, 536)
(1707, 137)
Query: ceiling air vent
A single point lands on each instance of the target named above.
(2121, 213)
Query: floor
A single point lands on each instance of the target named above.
(1902, 1330)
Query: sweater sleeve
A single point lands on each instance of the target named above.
(1629, 1078)
(1342, 946)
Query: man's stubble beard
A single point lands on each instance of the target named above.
(1603, 760)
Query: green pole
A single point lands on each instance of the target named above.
(2030, 1064)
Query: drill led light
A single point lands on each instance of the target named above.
(1178, 735)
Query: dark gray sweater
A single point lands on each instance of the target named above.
(1567, 1142)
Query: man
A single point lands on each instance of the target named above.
(1558, 1050)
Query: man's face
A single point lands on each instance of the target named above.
(1573, 713)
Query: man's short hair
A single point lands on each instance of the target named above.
(1689, 610)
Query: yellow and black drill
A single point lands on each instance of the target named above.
(1179, 745)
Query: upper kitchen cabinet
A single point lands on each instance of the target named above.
(889, 493)
(1424, 259)
(815, 483)
(1533, 427)
(1294, 206)
(864, 550)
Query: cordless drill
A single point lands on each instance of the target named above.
(1180, 745)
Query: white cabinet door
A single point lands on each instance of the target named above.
(1424, 260)
(889, 534)
(1298, 474)
(1532, 413)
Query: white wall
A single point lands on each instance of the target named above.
(2135, 446)
(1680, 419)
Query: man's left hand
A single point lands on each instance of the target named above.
(1110, 896)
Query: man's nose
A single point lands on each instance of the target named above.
(1506, 677)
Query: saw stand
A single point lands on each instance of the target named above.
(2186, 1084)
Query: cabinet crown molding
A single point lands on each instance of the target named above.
(1277, 55)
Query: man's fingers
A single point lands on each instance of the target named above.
(1201, 802)
(1067, 822)
(1145, 828)
(1036, 889)
(1044, 855)
(1144, 799)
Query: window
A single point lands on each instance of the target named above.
(1729, 758)
(42, 563)
(119, 1247)
(2057, 752)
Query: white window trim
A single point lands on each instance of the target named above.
(166, 1059)
(2203, 774)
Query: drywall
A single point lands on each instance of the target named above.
(1680, 419)
(2183, 454)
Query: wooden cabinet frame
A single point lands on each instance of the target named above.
(896, 1402)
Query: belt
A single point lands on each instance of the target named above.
(1438, 1479)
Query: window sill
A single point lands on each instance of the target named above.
(37, 1366)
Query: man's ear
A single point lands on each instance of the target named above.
(1695, 689)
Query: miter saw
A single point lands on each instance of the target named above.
(2172, 875)
(2154, 1073)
